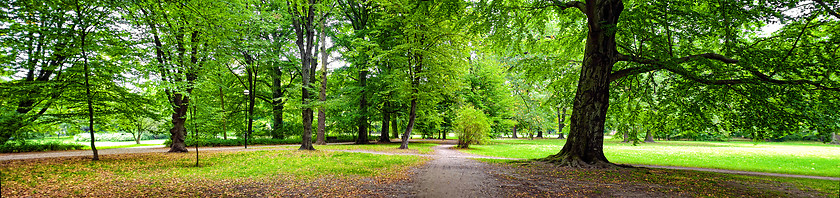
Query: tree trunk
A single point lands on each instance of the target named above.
(224, 113)
(395, 129)
(139, 134)
(561, 120)
(626, 137)
(277, 104)
(586, 137)
(179, 131)
(835, 138)
(303, 23)
(89, 101)
(322, 96)
(540, 134)
(386, 121)
(363, 121)
(514, 132)
(252, 82)
(411, 115)
(649, 137)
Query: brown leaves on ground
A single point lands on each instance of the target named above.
(537, 179)
(116, 176)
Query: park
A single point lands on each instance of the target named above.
(416, 98)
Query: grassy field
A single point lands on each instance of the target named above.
(801, 158)
(421, 148)
(154, 173)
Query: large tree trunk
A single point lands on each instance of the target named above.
(514, 132)
(395, 130)
(303, 23)
(835, 138)
(277, 104)
(386, 121)
(411, 115)
(649, 137)
(363, 121)
(322, 96)
(539, 133)
(586, 137)
(561, 120)
(178, 133)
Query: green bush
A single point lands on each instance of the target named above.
(471, 126)
(19, 147)
(259, 141)
(117, 137)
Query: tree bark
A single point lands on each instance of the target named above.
(649, 137)
(277, 104)
(363, 121)
(539, 133)
(561, 120)
(514, 132)
(386, 121)
(395, 130)
(178, 131)
(586, 137)
(411, 115)
(835, 138)
(224, 113)
(303, 25)
(322, 96)
(89, 99)
(626, 136)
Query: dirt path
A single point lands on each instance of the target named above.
(451, 174)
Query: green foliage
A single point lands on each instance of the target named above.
(19, 147)
(471, 126)
(260, 141)
(117, 137)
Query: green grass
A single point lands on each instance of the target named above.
(800, 158)
(169, 171)
(422, 148)
(119, 146)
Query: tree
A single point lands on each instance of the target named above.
(181, 35)
(303, 21)
(38, 37)
(674, 44)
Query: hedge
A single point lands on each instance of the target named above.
(18, 147)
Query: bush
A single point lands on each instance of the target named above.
(117, 137)
(471, 126)
(19, 147)
(258, 141)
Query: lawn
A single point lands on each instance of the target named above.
(421, 148)
(799, 158)
(224, 173)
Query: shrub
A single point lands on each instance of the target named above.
(18, 147)
(471, 126)
(258, 141)
(117, 137)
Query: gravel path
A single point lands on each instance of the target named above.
(451, 174)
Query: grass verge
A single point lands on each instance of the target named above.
(273, 172)
(787, 158)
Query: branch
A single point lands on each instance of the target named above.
(563, 6)
(828, 9)
(758, 77)
(653, 65)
